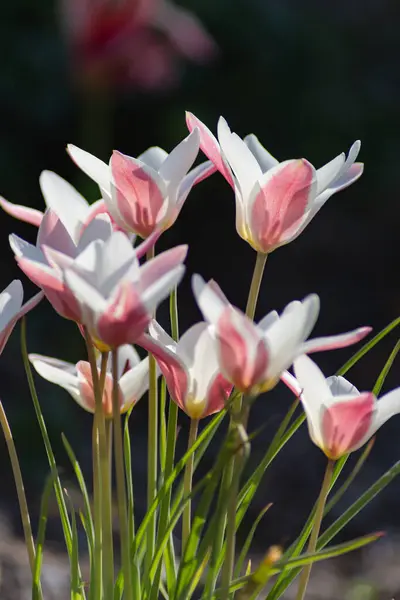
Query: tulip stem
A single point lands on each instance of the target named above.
(255, 284)
(19, 484)
(187, 484)
(103, 531)
(152, 451)
(121, 483)
(319, 513)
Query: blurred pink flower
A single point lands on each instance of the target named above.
(12, 309)
(133, 41)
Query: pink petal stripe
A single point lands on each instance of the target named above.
(244, 366)
(23, 213)
(171, 367)
(210, 146)
(125, 319)
(217, 395)
(138, 197)
(156, 268)
(345, 424)
(281, 202)
(333, 342)
(87, 391)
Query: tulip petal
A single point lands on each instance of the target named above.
(241, 160)
(62, 198)
(134, 383)
(95, 168)
(263, 157)
(209, 301)
(386, 407)
(346, 424)
(23, 249)
(179, 161)
(335, 341)
(210, 146)
(339, 386)
(269, 319)
(315, 392)
(198, 350)
(218, 395)
(153, 157)
(23, 213)
(329, 172)
(53, 233)
(152, 270)
(160, 289)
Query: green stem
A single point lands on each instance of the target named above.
(312, 545)
(187, 484)
(255, 284)
(98, 535)
(120, 477)
(19, 484)
(152, 451)
(104, 504)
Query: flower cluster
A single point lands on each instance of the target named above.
(87, 265)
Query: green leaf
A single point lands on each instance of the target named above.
(385, 371)
(44, 509)
(246, 546)
(75, 577)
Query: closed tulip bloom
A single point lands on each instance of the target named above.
(340, 418)
(56, 248)
(190, 368)
(12, 309)
(64, 200)
(145, 193)
(275, 200)
(254, 356)
(116, 296)
(77, 379)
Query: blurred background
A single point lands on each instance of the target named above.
(308, 78)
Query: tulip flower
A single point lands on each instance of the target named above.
(77, 379)
(145, 193)
(190, 368)
(254, 356)
(44, 263)
(115, 295)
(119, 43)
(12, 309)
(275, 200)
(340, 418)
(64, 200)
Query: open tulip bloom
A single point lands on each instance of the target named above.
(253, 356)
(275, 200)
(190, 368)
(145, 193)
(133, 379)
(12, 309)
(340, 418)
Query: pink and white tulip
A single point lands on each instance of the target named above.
(254, 356)
(12, 309)
(115, 295)
(56, 249)
(64, 200)
(145, 193)
(133, 379)
(340, 418)
(190, 367)
(275, 200)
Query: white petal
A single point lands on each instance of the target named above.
(263, 157)
(158, 291)
(135, 382)
(327, 173)
(95, 168)
(71, 208)
(316, 393)
(339, 386)
(244, 165)
(197, 350)
(117, 260)
(24, 249)
(10, 302)
(84, 293)
(179, 161)
(210, 302)
(268, 320)
(99, 228)
(332, 342)
(153, 157)
(161, 336)
(386, 407)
